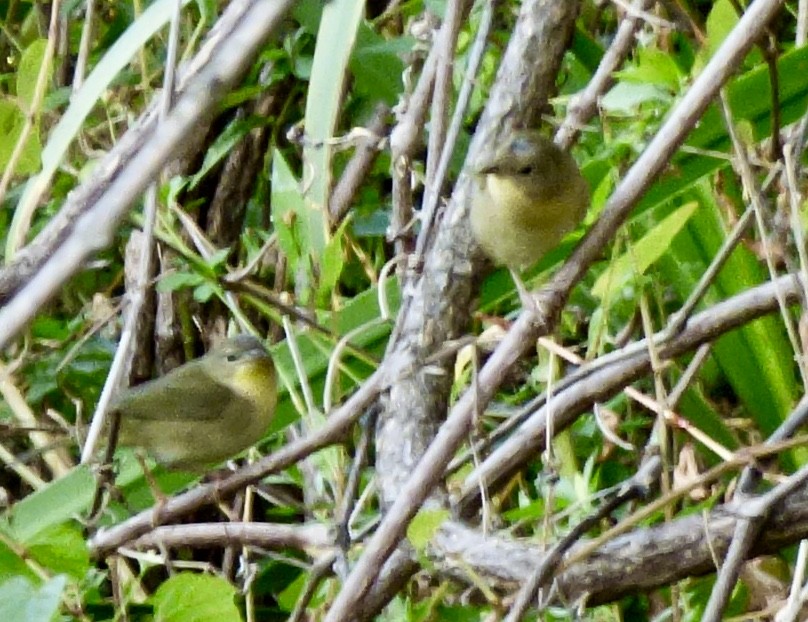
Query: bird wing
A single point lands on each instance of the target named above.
(185, 393)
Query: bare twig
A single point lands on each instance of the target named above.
(752, 516)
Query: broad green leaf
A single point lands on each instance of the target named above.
(654, 67)
(12, 120)
(756, 359)
(12, 564)
(188, 597)
(288, 598)
(61, 549)
(289, 212)
(308, 14)
(333, 262)
(643, 253)
(28, 71)
(22, 601)
(173, 281)
(377, 66)
(205, 292)
(750, 100)
(720, 22)
(59, 501)
(335, 41)
(627, 98)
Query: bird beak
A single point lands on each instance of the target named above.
(486, 167)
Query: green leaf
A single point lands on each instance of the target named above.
(11, 564)
(423, 527)
(12, 120)
(756, 359)
(292, 215)
(643, 253)
(191, 597)
(288, 598)
(308, 14)
(333, 262)
(653, 67)
(22, 601)
(204, 292)
(628, 97)
(720, 22)
(174, 281)
(28, 71)
(61, 549)
(376, 64)
(335, 41)
(57, 503)
(219, 257)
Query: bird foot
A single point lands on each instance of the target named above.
(530, 302)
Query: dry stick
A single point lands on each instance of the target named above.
(319, 571)
(637, 487)
(346, 504)
(652, 161)
(616, 569)
(95, 228)
(525, 330)
(795, 204)
(333, 431)
(796, 596)
(404, 139)
(796, 419)
(680, 549)
(84, 46)
(753, 514)
(538, 42)
(689, 374)
(432, 195)
(124, 351)
(18, 271)
(802, 23)
(739, 459)
(306, 537)
(358, 167)
(441, 97)
(584, 105)
(58, 462)
(122, 362)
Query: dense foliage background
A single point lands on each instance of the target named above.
(300, 196)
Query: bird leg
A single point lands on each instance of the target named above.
(159, 496)
(529, 302)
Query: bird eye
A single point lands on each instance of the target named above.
(525, 170)
(232, 358)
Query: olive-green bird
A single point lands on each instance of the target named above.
(529, 195)
(205, 411)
